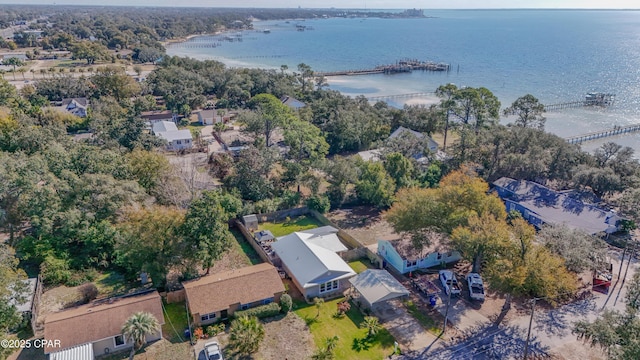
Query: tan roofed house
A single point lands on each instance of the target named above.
(99, 324)
(217, 296)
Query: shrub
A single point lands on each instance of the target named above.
(319, 203)
(198, 333)
(214, 330)
(260, 312)
(286, 303)
(88, 292)
(343, 307)
(55, 271)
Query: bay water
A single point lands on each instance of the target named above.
(555, 55)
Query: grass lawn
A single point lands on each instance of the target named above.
(424, 320)
(247, 249)
(361, 265)
(352, 343)
(287, 227)
(176, 315)
(111, 283)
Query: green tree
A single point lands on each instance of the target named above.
(151, 241)
(7, 92)
(318, 302)
(13, 61)
(528, 110)
(11, 289)
(148, 168)
(269, 114)
(206, 228)
(482, 239)
(286, 303)
(372, 324)
(581, 251)
(375, 186)
(400, 168)
(136, 329)
(305, 73)
(91, 51)
(246, 334)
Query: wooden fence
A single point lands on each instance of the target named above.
(173, 297)
(249, 237)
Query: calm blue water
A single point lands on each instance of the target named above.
(557, 56)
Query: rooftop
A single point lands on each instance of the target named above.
(378, 285)
(218, 291)
(98, 320)
(405, 247)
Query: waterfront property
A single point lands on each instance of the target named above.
(373, 288)
(316, 270)
(540, 205)
(404, 257)
(176, 139)
(95, 329)
(216, 297)
(292, 102)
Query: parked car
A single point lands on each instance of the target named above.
(450, 283)
(212, 350)
(476, 287)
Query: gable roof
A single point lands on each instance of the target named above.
(310, 263)
(407, 250)
(207, 114)
(82, 101)
(378, 285)
(175, 135)
(402, 130)
(554, 207)
(163, 126)
(292, 102)
(218, 291)
(157, 115)
(98, 320)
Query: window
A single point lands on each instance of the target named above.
(411, 263)
(329, 286)
(267, 301)
(244, 306)
(119, 340)
(179, 142)
(439, 257)
(207, 317)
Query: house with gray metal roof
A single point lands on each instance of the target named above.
(176, 139)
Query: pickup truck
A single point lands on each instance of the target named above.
(476, 287)
(449, 282)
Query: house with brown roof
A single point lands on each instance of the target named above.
(217, 296)
(95, 329)
(158, 115)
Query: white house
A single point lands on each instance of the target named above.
(315, 270)
(210, 117)
(176, 139)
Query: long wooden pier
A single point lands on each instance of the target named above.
(618, 130)
(399, 96)
(592, 99)
(402, 66)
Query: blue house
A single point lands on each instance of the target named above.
(540, 205)
(404, 257)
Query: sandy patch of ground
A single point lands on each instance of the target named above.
(286, 337)
(364, 223)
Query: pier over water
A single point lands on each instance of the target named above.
(401, 66)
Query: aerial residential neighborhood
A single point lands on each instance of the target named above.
(239, 183)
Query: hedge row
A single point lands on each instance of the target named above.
(260, 312)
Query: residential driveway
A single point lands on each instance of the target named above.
(404, 328)
(462, 315)
(198, 348)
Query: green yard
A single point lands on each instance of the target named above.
(247, 249)
(353, 342)
(175, 317)
(285, 228)
(361, 265)
(424, 320)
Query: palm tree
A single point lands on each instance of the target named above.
(331, 343)
(219, 128)
(318, 302)
(14, 61)
(136, 329)
(33, 73)
(43, 71)
(22, 71)
(245, 334)
(372, 325)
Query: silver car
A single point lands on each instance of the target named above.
(212, 350)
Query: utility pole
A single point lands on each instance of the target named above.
(526, 347)
(446, 313)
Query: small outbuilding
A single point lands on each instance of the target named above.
(264, 236)
(375, 287)
(250, 222)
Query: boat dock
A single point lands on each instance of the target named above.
(402, 66)
(618, 130)
(399, 96)
(592, 99)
